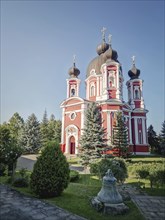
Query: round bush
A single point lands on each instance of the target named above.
(118, 167)
(50, 175)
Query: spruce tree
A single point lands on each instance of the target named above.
(162, 138)
(31, 137)
(120, 136)
(54, 129)
(92, 141)
(153, 140)
(44, 129)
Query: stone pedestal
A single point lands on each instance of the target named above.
(108, 200)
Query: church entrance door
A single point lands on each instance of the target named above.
(72, 145)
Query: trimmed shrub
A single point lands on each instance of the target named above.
(74, 176)
(118, 167)
(50, 175)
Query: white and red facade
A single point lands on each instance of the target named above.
(104, 85)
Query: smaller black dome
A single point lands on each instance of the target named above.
(74, 71)
(134, 73)
(114, 55)
(102, 48)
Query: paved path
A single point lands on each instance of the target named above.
(152, 207)
(16, 206)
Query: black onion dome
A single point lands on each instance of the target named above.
(134, 73)
(74, 71)
(114, 55)
(102, 48)
(96, 64)
(108, 53)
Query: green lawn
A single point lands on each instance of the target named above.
(76, 199)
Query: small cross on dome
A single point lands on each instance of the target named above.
(133, 60)
(103, 33)
(109, 39)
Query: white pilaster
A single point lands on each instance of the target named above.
(108, 127)
(136, 131)
(144, 130)
(97, 83)
(130, 128)
(62, 127)
(82, 117)
(67, 88)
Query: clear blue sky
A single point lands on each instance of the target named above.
(39, 38)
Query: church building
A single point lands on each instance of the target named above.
(104, 85)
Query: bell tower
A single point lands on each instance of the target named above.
(73, 83)
(138, 114)
(135, 88)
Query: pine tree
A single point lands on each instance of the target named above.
(93, 139)
(15, 125)
(31, 137)
(153, 140)
(57, 135)
(120, 136)
(44, 129)
(162, 138)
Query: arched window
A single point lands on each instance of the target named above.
(72, 92)
(136, 94)
(92, 90)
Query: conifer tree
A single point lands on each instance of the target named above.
(93, 139)
(120, 136)
(153, 140)
(54, 129)
(31, 137)
(162, 138)
(44, 129)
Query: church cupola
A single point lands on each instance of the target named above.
(73, 83)
(101, 48)
(73, 71)
(135, 87)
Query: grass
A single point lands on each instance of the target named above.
(76, 199)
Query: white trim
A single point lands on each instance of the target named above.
(136, 131)
(130, 128)
(68, 112)
(97, 86)
(108, 126)
(143, 130)
(62, 127)
(74, 133)
(83, 108)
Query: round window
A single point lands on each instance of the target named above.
(72, 115)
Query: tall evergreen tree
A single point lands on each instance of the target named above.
(15, 125)
(44, 129)
(120, 136)
(162, 138)
(31, 137)
(153, 140)
(93, 139)
(57, 135)
(54, 129)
